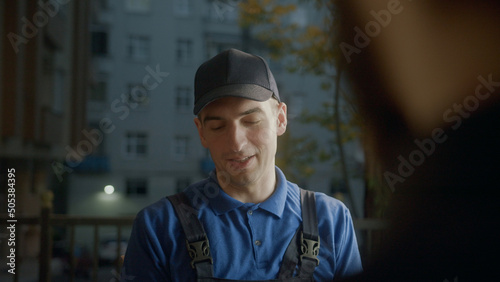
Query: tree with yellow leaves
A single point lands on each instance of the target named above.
(313, 50)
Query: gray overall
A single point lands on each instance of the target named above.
(306, 239)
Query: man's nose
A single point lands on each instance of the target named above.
(236, 138)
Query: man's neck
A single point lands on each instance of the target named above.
(254, 193)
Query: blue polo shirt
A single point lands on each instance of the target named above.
(247, 241)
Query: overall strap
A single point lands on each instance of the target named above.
(306, 239)
(199, 249)
(309, 239)
(196, 238)
(291, 257)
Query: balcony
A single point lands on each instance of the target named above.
(94, 164)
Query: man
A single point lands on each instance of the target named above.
(245, 221)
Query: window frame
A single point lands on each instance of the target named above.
(133, 139)
(180, 147)
(138, 44)
(133, 190)
(184, 51)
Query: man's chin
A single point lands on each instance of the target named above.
(241, 179)
(233, 177)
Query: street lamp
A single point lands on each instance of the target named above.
(109, 189)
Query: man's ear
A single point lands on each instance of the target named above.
(199, 126)
(282, 119)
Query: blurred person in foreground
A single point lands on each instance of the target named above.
(427, 75)
(245, 221)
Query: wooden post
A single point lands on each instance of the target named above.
(45, 256)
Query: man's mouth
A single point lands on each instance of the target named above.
(241, 162)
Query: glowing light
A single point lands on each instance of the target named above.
(109, 189)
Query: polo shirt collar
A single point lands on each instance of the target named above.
(223, 203)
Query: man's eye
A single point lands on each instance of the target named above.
(252, 122)
(215, 128)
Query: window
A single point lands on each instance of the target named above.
(136, 145)
(183, 99)
(137, 186)
(98, 91)
(180, 148)
(181, 183)
(184, 51)
(137, 95)
(138, 6)
(99, 43)
(138, 47)
(181, 7)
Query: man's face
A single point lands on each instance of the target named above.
(241, 135)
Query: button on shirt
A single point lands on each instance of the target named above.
(247, 240)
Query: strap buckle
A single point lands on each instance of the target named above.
(199, 251)
(309, 248)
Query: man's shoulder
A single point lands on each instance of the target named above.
(324, 202)
(156, 211)
(321, 198)
(324, 199)
(329, 206)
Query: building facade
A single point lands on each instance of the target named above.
(43, 93)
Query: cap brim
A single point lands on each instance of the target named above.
(248, 91)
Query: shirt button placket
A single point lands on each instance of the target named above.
(256, 242)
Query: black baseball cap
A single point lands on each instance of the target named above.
(233, 73)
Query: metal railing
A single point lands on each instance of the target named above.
(72, 221)
(47, 221)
